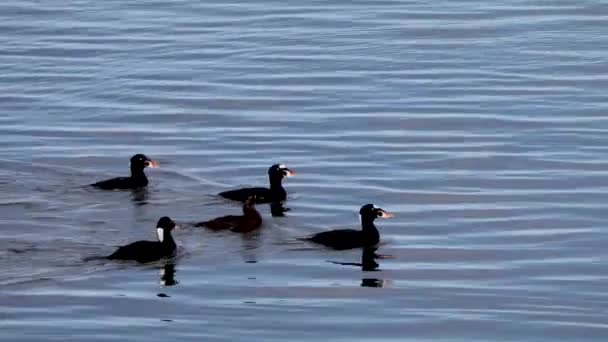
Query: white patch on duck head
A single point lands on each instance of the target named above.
(282, 166)
(160, 233)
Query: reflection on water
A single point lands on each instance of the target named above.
(140, 196)
(483, 126)
(368, 260)
(372, 282)
(167, 274)
(368, 264)
(277, 209)
(250, 246)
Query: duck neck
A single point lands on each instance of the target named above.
(167, 241)
(250, 211)
(276, 185)
(368, 227)
(139, 176)
(137, 173)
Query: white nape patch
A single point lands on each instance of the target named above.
(360, 218)
(160, 233)
(282, 166)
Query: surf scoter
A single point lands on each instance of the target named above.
(146, 251)
(276, 193)
(368, 236)
(249, 221)
(138, 178)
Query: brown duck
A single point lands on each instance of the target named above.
(249, 221)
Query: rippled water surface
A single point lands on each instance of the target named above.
(483, 126)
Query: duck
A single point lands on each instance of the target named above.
(342, 239)
(146, 251)
(276, 192)
(137, 179)
(249, 221)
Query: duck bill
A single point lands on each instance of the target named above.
(151, 164)
(288, 173)
(386, 214)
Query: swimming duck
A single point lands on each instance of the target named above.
(146, 251)
(368, 236)
(249, 221)
(137, 179)
(275, 193)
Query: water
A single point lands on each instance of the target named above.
(481, 126)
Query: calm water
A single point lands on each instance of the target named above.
(483, 126)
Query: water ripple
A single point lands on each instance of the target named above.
(481, 127)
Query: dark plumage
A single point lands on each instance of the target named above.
(275, 193)
(368, 236)
(146, 251)
(137, 179)
(250, 220)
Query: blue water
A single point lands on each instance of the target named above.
(482, 126)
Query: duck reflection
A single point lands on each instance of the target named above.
(167, 274)
(140, 196)
(277, 209)
(372, 282)
(249, 247)
(368, 264)
(368, 260)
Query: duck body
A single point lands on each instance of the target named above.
(341, 239)
(143, 251)
(249, 221)
(122, 183)
(368, 236)
(146, 251)
(137, 179)
(240, 224)
(276, 192)
(263, 195)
